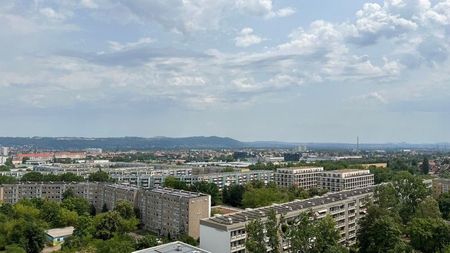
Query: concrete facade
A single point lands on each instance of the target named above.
(226, 234)
(303, 177)
(163, 211)
(340, 180)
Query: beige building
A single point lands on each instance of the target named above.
(164, 211)
(303, 177)
(440, 185)
(340, 180)
(186, 210)
(227, 234)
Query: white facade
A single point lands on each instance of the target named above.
(215, 240)
(3, 159)
(4, 151)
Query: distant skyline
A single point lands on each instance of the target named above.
(252, 70)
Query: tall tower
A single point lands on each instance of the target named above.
(357, 144)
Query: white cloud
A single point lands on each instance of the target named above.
(89, 4)
(117, 46)
(51, 14)
(263, 8)
(246, 38)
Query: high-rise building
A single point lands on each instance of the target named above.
(4, 151)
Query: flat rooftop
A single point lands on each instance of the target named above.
(347, 171)
(173, 247)
(60, 232)
(286, 208)
(179, 193)
(300, 168)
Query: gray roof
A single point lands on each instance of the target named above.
(173, 247)
(60, 232)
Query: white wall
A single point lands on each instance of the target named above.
(214, 240)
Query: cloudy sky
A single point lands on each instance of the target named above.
(287, 70)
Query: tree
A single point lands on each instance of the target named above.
(428, 208)
(51, 213)
(70, 177)
(300, 233)
(14, 248)
(208, 188)
(272, 231)
(100, 176)
(380, 232)
(106, 224)
(425, 167)
(125, 209)
(232, 195)
(257, 197)
(255, 237)
(7, 180)
(80, 205)
(410, 191)
(104, 208)
(188, 239)
(386, 196)
(117, 244)
(68, 194)
(327, 237)
(32, 176)
(83, 227)
(429, 235)
(29, 235)
(147, 241)
(444, 205)
(175, 183)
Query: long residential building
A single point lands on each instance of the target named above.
(341, 180)
(303, 177)
(227, 233)
(220, 179)
(163, 211)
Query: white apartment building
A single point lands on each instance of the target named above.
(340, 180)
(303, 177)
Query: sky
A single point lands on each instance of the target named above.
(284, 70)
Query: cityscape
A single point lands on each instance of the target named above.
(224, 126)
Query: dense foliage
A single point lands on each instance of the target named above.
(39, 177)
(404, 218)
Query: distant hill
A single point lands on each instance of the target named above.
(121, 143)
(197, 142)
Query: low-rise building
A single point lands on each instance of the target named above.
(227, 233)
(340, 180)
(303, 177)
(56, 236)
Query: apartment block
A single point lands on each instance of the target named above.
(340, 180)
(172, 212)
(220, 179)
(227, 234)
(163, 211)
(303, 177)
